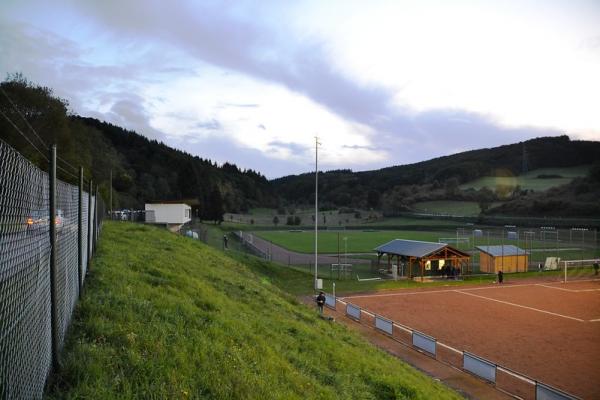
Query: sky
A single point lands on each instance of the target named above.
(380, 83)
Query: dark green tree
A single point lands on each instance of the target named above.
(485, 197)
(215, 206)
(373, 198)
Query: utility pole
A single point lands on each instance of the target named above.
(110, 201)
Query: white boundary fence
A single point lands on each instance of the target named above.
(330, 301)
(504, 379)
(424, 342)
(384, 325)
(479, 366)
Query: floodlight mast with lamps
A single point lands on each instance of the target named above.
(316, 206)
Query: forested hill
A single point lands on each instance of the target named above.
(142, 169)
(161, 172)
(395, 188)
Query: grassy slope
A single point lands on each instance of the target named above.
(167, 317)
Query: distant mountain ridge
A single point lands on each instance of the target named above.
(144, 169)
(395, 188)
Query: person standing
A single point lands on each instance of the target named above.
(500, 277)
(596, 267)
(225, 242)
(320, 302)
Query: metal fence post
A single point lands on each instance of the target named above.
(80, 232)
(53, 271)
(89, 232)
(95, 218)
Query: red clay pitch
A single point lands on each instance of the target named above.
(547, 331)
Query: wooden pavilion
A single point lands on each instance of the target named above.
(436, 258)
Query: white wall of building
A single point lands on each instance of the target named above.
(170, 213)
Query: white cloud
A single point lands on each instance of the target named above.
(380, 83)
(275, 115)
(517, 62)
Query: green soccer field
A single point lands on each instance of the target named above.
(356, 241)
(364, 241)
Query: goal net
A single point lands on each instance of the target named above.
(455, 240)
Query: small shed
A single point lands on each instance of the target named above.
(505, 258)
(435, 258)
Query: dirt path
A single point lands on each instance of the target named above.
(286, 257)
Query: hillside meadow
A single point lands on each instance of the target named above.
(164, 316)
(539, 180)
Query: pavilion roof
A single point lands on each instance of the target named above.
(411, 248)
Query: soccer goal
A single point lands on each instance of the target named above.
(579, 269)
(455, 239)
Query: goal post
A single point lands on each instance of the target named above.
(579, 267)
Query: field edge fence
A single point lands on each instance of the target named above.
(48, 233)
(502, 378)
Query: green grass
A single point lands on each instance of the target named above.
(406, 221)
(264, 212)
(530, 180)
(166, 317)
(363, 241)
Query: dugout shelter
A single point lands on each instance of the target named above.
(505, 258)
(414, 258)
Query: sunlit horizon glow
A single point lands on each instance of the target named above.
(383, 83)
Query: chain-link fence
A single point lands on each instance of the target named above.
(38, 292)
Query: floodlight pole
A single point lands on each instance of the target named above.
(111, 201)
(316, 206)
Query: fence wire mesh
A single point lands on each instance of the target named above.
(25, 300)
(67, 263)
